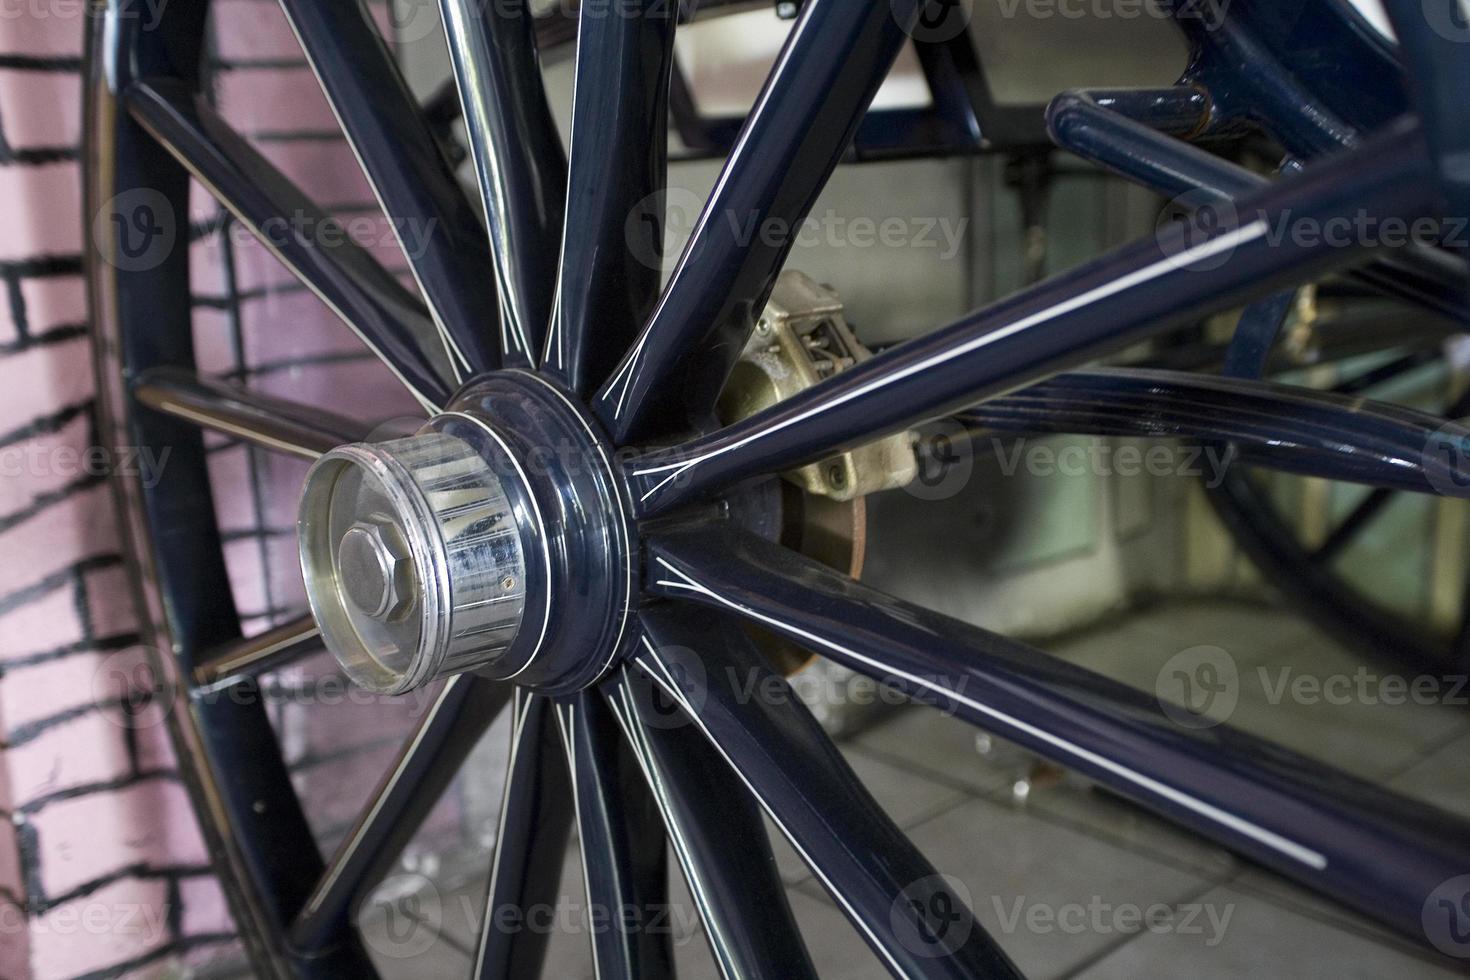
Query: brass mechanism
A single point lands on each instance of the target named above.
(802, 338)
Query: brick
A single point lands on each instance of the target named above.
(332, 795)
(89, 749)
(11, 879)
(15, 945)
(29, 694)
(32, 225)
(284, 326)
(242, 559)
(251, 29)
(119, 922)
(229, 475)
(9, 330)
(86, 838)
(53, 301)
(206, 912)
(326, 170)
(78, 527)
(214, 340)
(49, 620)
(57, 34)
(283, 564)
(279, 99)
(110, 602)
(155, 749)
(363, 389)
(255, 267)
(41, 109)
(45, 465)
(43, 380)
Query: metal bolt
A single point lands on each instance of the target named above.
(374, 569)
(508, 583)
(837, 475)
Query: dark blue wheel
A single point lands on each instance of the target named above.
(573, 538)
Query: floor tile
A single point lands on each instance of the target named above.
(905, 796)
(1020, 870)
(1442, 777)
(931, 743)
(1344, 716)
(1260, 940)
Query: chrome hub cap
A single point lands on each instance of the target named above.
(470, 544)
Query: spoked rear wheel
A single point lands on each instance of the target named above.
(522, 545)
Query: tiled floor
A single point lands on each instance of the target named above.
(1087, 858)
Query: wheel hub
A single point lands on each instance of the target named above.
(493, 539)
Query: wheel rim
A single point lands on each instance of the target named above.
(587, 699)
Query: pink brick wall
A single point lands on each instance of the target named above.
(102, 867)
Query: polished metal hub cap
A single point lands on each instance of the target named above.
(461, 546)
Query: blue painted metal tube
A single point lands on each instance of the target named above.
(827, 73)
(1183, 273)
(389, 318)
(1123, 136)
(530, 842)
(1283, 427)
(439, 228)
(742, 904)
(911, 917)
(1361, 845)
(610, 267)
(622, 843)
(519, 165)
